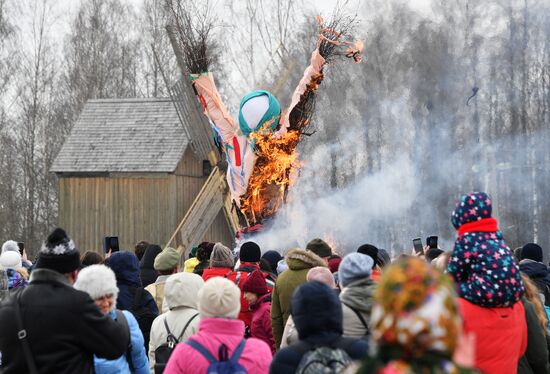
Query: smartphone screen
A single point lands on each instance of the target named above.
(417, 243)
(431, 241)
(110, 243)
(21, 246)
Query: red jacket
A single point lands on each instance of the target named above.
(215, 272)
(260, 327)
(501, 336)
(238, 277)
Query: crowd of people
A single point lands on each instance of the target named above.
(476, 308)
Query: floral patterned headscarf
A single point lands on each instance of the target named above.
(415, 311)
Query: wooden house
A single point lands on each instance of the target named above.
(129, 168)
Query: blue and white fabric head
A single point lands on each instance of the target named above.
(257, 108)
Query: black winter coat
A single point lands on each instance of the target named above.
(539, 274)
(64, 328)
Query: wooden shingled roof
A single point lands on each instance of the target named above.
(124, 135)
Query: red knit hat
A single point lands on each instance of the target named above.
(255, 283)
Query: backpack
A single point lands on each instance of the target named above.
(121, 318)
(164, 351)
(144, 316)
(224, 364)
(323, 359)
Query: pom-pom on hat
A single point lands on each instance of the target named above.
(531, 251)
(250, 252)
(10, 245)
(97, 281)
(221, 257)
(257, 108)
(219, 298)
(255, 283)
(354, 267)
(10, 260)
(319, 247)
(58, 253)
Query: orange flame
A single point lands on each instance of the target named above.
(271, 177)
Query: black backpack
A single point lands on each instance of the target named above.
(144, 316)
(164, 351)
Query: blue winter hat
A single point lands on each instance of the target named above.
(355, 266)
(259, 106)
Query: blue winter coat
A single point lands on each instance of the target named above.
(317, 314)
(139, 357)
(126, 268)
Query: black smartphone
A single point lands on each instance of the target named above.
(418, 248)
(21, 246)
(431, 241)
(110, 242)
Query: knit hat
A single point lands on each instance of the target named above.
(334, 262)
(167, 259)
(415, 311)
(97, 281)
(221, 257)
(383, 257)
(10, 260)
(255, 283)
(250, 252)
(219, 298)
(369, 250)
(354, 267)
(531, 251)
(273, 257)
(321, 274)
(10, 245)
(58, 253)
(472, 207)
(258, 108)
(319, 247)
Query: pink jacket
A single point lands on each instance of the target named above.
(255, 358)
(260, 327)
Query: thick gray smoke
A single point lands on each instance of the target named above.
(397, 143)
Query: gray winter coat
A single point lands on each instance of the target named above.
(357, 297)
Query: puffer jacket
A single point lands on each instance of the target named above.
(126, 268)
(146, 265)
(260, 327)
(255, 357)
(539, 274)
(317, 313)
(299, 262)
(120, 365)
(500, 333)
(481, 264)
(181, 296)
(357, 297)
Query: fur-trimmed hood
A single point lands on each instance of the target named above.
(299, 259)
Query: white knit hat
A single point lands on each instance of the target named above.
(10, 260)
(97, 281)
(10, 245)
(219, 297)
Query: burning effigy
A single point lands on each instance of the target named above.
(260, 146)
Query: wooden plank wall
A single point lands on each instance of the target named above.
(134, 208)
